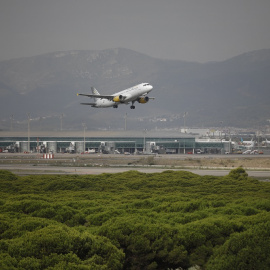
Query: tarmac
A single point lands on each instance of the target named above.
(33, 164)
(41, 169)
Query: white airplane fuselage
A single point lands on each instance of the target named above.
(136, 93)
(248, 144)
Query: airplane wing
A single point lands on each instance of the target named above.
(97, 96)
(92, 104)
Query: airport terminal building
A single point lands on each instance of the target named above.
(183, 144)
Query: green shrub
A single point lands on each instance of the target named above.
(133, 220)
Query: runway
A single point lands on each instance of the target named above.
(216, 165)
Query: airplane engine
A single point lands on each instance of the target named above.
(118, 98)
(143, 99)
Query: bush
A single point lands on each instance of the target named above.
(245, 250)
(238, 174)
(133, 220)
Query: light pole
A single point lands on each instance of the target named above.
(28, 144)
(184, 116)
(61, 122)
(84, 127)
(221, 128)
(11, 122)
(126, 122)
(145, 130)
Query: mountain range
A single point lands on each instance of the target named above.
(234, 92)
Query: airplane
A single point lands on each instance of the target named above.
(266, 142)
(136, 93)
(247, 144)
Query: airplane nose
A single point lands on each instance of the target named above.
(150, 87)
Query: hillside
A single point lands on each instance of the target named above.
(234, 92)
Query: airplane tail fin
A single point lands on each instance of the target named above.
(95, 91)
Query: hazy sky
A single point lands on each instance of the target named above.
(192, 30)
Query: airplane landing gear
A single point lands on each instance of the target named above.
(115, 106)
(132, 106)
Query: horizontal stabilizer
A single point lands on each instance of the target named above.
(92, 104)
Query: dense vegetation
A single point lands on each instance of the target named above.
(134, 220)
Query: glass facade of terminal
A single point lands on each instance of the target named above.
(175, 145)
